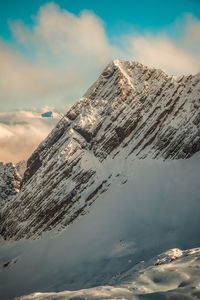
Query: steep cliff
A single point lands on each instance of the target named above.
(9, 182)
(131, 111)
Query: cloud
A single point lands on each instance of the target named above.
(59, 56)
(163, 53)
(65, 34)
(174, 50)
(21, 78)
(22, 131)
(191, 39)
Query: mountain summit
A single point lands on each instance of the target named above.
(131, 111)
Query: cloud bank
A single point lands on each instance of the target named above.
(22, 131)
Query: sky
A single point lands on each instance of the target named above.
(51, 52)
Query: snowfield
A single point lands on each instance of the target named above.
(112, 251)
(174, 279)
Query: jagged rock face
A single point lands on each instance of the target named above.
(9, 182)
(21, 167)
(130, 111)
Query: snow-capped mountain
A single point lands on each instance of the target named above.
(10, 181)
(130, 112)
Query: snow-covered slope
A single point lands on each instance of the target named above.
(150, 207)
(172, 275)
(131, 111)
(9, 182)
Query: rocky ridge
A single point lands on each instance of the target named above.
(131, 111)
(10, 181)
(176, 278)
(21, 167)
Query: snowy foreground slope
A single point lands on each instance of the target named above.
(156, 209)
(131, 111)
(173, 275)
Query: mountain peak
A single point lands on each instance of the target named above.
(130, 112)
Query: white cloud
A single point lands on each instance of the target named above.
(191, 39)
(21, 78)
(65, 55)
(175, 49)
(66, 36)
(21, 132)
(163, 53)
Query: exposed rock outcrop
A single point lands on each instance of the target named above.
(21, 167)
(9, 182)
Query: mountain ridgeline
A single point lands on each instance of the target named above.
(130, 112)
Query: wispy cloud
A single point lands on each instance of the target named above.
(163, 53)
(177, 56)
(22, 131)
(21, 78)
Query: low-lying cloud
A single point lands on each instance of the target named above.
(22, 131)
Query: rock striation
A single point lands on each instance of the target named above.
(10, 181)
(131, 111)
